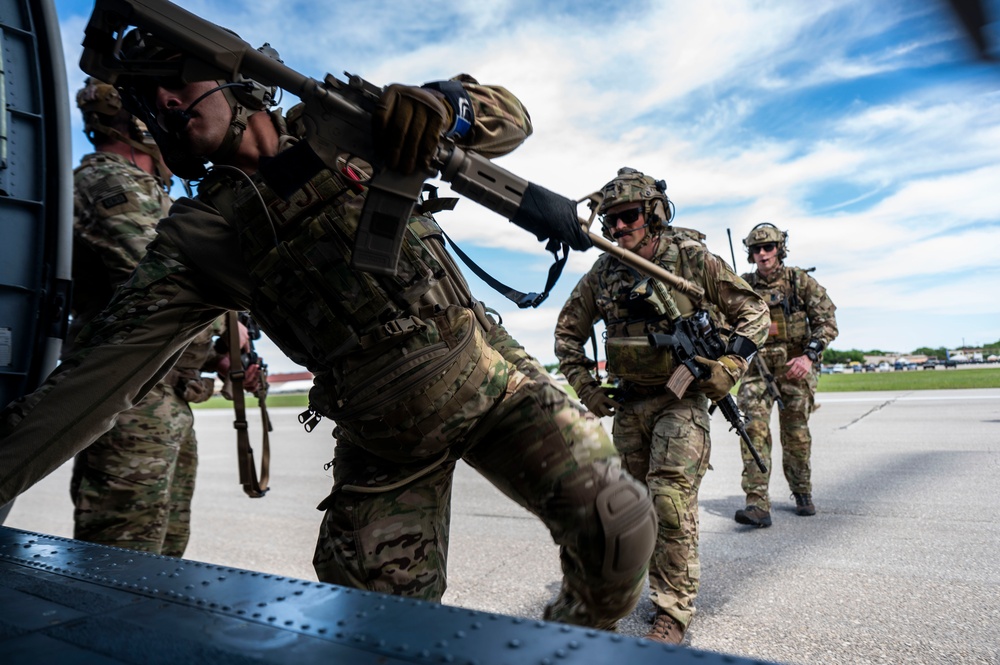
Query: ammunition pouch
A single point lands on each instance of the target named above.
(408, 401)
(633, 359)
(798, 328)
(778, 332)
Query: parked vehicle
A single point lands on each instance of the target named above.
(931, 363)
(883, 367)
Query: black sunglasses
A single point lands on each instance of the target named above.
(626, 216)
(766, 247)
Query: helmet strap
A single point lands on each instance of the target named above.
(234, 136)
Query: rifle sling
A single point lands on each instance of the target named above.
(522, 300)
(253, 487)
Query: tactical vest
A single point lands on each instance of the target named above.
(628, 321)
(398, 370)
(789, 319)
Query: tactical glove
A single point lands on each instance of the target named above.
(725, 372)
(597, 401)
(408, 123)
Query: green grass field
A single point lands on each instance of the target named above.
(939, 379)
(295, 399)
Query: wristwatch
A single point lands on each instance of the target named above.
(813, 349)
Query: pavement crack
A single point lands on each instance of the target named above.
(870, 412)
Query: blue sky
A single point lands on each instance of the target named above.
(867, 130)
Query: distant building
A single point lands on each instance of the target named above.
(290, 382)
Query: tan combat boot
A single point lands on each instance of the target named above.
(804, 504)
(666, 629)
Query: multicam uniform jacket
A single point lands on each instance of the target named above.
(116, 208)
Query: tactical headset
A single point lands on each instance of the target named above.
(766, 232)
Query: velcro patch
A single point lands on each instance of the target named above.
(114, 200)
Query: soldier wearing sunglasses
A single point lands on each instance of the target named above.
(663, 437)
(802, 325)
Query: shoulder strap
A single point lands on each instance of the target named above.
(522, 300)
(253, 487)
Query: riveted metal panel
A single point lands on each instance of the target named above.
(133, 607)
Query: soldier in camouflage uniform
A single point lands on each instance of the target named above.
(663, 439)
(802, 325)
(133, 486)
(410, 367)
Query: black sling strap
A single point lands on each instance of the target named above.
(433, 203)
(522, 300)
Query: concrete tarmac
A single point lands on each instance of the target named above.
(900, 565)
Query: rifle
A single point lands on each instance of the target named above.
(697, 336)
(758, 362)
(338, 116)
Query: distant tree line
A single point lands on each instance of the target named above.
(835, 356)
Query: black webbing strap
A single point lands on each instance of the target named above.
(253, 487)
(522, 300)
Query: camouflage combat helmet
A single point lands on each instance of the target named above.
(137, 88)
(105, 119)
(763, 233)
(101, 105)
(632, 185)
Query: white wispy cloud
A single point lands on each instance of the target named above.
(862, 128)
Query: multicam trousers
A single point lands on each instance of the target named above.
(133, 486)
(386, 525)
(665, 442)
(796, 442)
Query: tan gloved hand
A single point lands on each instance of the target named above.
(196, 391)
(408, 123)
(725, 372)
(597, 401)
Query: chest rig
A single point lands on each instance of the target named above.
(789, 320)
(393, 366)
(633, 306)
(298, 252)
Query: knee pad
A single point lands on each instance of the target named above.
(629, 524)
